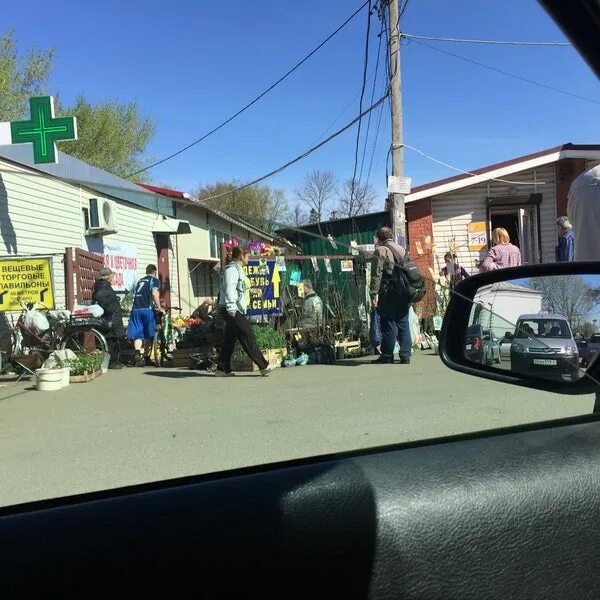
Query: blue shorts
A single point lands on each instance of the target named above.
(142, 324)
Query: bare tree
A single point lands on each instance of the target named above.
(355, 200)
(299, 216)
(317, 192)
(569, 296)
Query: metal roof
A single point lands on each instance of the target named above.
(76, 171)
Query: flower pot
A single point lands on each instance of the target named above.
(48, 380)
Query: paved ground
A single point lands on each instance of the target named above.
(134, 426)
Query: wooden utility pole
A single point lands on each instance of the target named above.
(396, 205)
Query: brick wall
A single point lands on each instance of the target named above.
(567, 170)
(420, 226)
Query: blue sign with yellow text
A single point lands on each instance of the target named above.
(265, 282)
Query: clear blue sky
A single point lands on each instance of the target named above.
(190, 64)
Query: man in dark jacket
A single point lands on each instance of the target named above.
(565, 251)
(393, 309)
(106, 297)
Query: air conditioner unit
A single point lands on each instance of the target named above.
(102, 217)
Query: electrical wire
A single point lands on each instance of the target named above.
(411, 36)
(364, 152)
(261, 95)
(444, 164)
(375, 144)
(302, 156)
(402, 11)
(360, 104)
(508, 74)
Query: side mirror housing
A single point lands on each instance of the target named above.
(544, 355)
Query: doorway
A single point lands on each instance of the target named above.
(520, 216)
(510, 222)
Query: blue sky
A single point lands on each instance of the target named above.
(190, 64)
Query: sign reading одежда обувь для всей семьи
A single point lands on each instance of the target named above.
(27, 280)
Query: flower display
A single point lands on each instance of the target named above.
(183, 322)
(258, 248)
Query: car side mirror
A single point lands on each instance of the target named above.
(525, 303)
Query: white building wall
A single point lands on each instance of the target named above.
(452, 213)
(42, 215)
(196, 247)
(39, 215)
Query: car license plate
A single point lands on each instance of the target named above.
(545, 362)
(469, 346)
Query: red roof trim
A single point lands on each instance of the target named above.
(164, 191)
(501, 165)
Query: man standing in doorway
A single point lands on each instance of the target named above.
(142, 322)
(393, 307)
(565, 251)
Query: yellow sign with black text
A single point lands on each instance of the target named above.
(26, 280)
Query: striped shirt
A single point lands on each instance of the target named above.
(502, 256)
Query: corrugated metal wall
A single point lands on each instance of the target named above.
(453, 212)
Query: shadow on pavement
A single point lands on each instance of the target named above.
(177, 374)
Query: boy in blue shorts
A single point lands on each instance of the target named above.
(142, 322)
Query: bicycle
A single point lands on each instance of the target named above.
(165, 338)
(27, 348)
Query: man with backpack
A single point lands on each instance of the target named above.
(396, 283)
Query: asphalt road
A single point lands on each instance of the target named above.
(134, 426)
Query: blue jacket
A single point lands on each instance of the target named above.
(565, 251)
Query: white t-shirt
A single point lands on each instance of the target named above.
(583, 211)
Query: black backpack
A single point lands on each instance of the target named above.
(406, 281)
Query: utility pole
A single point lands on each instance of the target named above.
(396, 205)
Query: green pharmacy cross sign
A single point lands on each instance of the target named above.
(43, 130)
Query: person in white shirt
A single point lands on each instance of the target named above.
(583, 209)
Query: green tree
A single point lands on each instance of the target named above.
(112, 136)
(261, 206)
(21, 77)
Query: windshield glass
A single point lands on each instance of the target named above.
(543, 328)
(203, 215)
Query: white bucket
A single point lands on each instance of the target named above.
(49, 380)
(66, 373)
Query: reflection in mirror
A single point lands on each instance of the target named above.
(542, 326)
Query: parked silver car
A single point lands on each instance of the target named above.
(543, 342)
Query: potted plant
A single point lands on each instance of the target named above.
(270, 342)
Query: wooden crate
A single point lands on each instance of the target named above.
(181, 357)
(243, 363)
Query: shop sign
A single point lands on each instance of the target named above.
(26, 280)
(264, 288)
(42, 130)
(477, 236)
(122, 259)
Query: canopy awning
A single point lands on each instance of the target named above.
(171, 226)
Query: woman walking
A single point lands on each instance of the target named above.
(234, 296)
(502, 254)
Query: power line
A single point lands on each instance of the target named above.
(411, 36)
(362, 95)
(440, 162)
(302, 156)
(513, 75)
(261, 95)
(364, 153)
(402, 11)
(374, 144)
